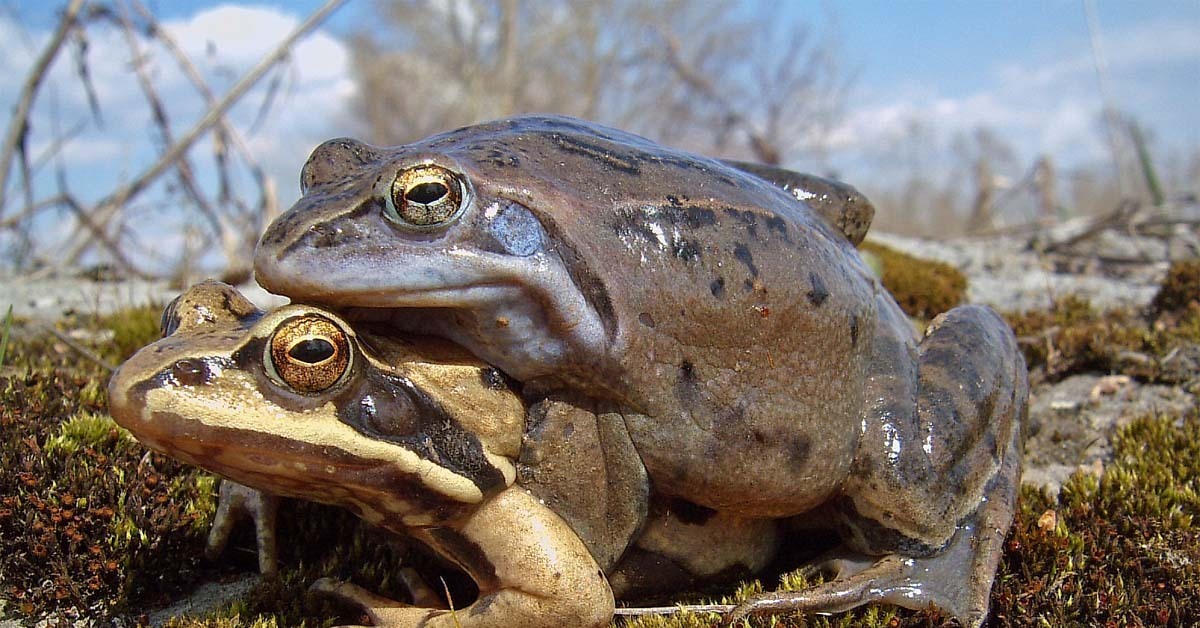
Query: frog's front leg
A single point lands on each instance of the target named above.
(238, 500)
(531, 568)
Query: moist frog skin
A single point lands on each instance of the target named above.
(719, 309)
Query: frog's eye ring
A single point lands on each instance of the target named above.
(308, 354)
(425, 197)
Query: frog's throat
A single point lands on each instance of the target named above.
(525, 334)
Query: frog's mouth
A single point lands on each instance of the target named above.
(291, 468)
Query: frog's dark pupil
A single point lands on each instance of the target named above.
(312, 350)
(426, 193)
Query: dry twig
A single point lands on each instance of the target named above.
(18, 125)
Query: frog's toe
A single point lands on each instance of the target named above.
(836, 564)
(381, 610)
(418, 590)
(885, 580)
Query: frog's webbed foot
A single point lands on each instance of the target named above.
(952, 580)
(236, 501)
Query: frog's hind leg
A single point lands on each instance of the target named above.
(933, 490)
(956, 579)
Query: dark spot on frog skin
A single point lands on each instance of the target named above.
(779, 225)
(502, 159)
(747, 218)
(674, 200)
(686, 384)
(818, 293)
(853, 329)
(801, 448)
(691, 216)
(717, 287)
(646, 319)
(742, 253)
(596, 152)
(689, 513)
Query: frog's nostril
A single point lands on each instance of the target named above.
(190, 372)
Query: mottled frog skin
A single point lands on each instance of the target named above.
(716, 313)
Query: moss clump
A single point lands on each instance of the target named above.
(1120, 550)
(1180, 290)
(923, 288)
(131, 330)
(89, 525)
(1073, 337)
(86, 525)
(87, 430)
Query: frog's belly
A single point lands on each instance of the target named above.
(753, 466)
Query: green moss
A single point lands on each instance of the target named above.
(1123, 550)
(132, 329)
(86, 520)
(1180, 289)
(1073, 337)
(87, 429)
(221, 622)
(923, 288)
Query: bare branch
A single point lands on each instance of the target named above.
(85, 74)
(18, 125)
(183, 165)
(111, 204)
(765, 149)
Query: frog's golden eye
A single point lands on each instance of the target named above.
(308, 353)
(425, 197)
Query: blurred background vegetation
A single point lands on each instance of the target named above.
(736, 79)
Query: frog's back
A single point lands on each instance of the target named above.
(735, 318)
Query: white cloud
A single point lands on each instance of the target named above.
(1050, 105)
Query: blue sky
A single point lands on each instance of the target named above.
(1022, 68)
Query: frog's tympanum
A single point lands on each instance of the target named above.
(710, 372)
